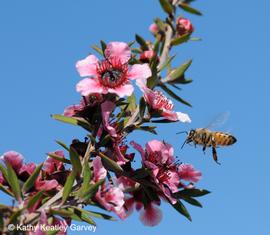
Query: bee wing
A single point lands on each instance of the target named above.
(219, 120)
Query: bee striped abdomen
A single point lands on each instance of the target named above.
(223, 139)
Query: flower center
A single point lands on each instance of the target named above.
(112, 73)
(162, 102)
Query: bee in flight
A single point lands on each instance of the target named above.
(208, 138)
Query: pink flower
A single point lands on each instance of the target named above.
(151, 215)
(26, 170)
(107, 108)
(146, 56)
(15, 159)
(51, 165)
(100, 172)
(45, 185)
(111, 75)
(188, 173)
(86, 102)
(184, 26)
(153, 28)
(162, 104)
(113, 200)
(158, 157)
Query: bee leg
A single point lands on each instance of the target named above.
(204, 148)
(215, 157)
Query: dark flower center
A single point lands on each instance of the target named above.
(112, 73)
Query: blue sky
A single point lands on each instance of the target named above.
(40, 43)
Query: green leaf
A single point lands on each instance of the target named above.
(167, 7)
(112, 165)
(68, 186)
(84, 215)
(195, 39)
(59, 158)
(73, 121)
(87, 175)
(189, 9)
(150, 129)
(34, 199)
(172, 94)
(191, 193)
(178, 72)
(142, 107)
(166, 63)
(62, 144)
(90, 190)
(192, 201)
(61, 212)
(131, 102)
(31, 180)
(179, 206)
(13, 182)
(103, 46)
(162, 121)
(75, 160)
(100, 215)
(5, 190)
(140, 173)
(4, 171)
(131, 44)
(161, 25)
(97, 49)
(142, 42)
(180, 40)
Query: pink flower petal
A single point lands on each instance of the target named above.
(15, 159)
(87, 66)
(106, 108)
(71, 110)
(140, 71)
(99, 171)
(183, 117)
(88, 86)
(121, 91)
(188, 173)
(139, 148)
(151, 216)
(119, 50)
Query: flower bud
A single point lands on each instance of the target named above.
(153, 28)
(146, 56)
(183, 26)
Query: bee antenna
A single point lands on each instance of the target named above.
(184, 144)
(181, 132)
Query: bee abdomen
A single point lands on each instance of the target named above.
(224, 139)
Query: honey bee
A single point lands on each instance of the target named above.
(208, 138)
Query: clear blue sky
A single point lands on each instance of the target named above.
(40, 43)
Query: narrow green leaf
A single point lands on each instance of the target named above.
(192, 201)
(150, 129)
(110, 163)
(13, 182)
(172, 94)
(61, 212)
(83, 214)
(62, 144)
(4, 171)
(142, 42)
(191, 193)
(180, 40)
(90, 190)
(179, 206)
(142, 107)
(87, 175)
(189, 9)
(31, 180)
(101, 215)
(34, 199)
(59, 158)
(166, 63)
(75, 160)
(161, 24)
(162, 121)
(131, 102)
(103, 46)
(179, 72)
(5, 190)
(68, 186)
(97, 49)
(195, 39)
(73, 121)
(167, 7)
(131, 43)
